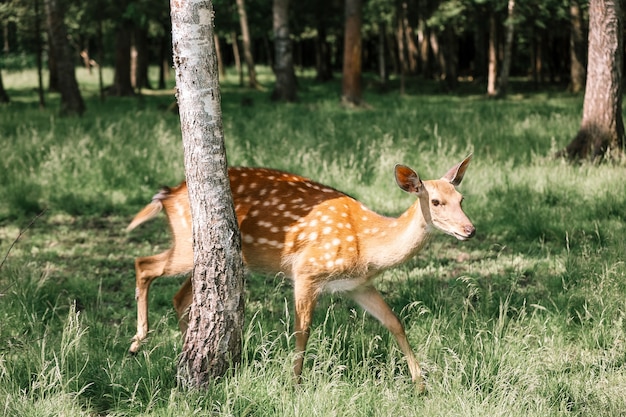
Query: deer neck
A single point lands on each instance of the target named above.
(387, 242)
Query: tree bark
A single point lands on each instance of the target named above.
(247, 48)
(601, 132)
(576, 48)
(213, 339)
(285, 87)
(71, 99)
(351, 89)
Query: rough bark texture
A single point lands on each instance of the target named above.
(213, 340)
(577, 49)
(285, 88)
(602, 128)
(351, 88)
(71, 101)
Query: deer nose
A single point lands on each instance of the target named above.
(469, 230)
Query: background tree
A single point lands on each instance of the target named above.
(71, 99)
(285, 87)
(351, 89)
(577, 48)
(213, 340)
(503, 83)
(4, 97)
(247, 48)
(602, 128)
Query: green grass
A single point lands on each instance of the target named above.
(526, 319)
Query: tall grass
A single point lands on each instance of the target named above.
(526, 319)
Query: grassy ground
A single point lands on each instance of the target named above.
(527, 319)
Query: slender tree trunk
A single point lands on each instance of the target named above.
(411, 48)
(71, 100)
(492, 70)
(285, 87)
(53, 72)
(100, 60)
(237, 56)
(382, 55)
(122, 85)
(213, 339)
(322, 53)
(601, 132)
(423, 47)
(576, 48)
(351, 89)
(450, 52)
(39, 47)
(140, 59)
(218, 54)
(403, 66)
(247, 48)
(508, 50)
(4, 97)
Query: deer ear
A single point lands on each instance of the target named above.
(408, 179)
(455, 175)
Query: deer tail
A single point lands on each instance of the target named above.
(151, 210)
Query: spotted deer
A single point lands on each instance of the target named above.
(321, 238)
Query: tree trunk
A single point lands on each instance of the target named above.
(503, 84)
(140, 59)
(402, 61)
(4, 97)
(213, 339)
(39, 51)
(218, 56)
(323, 67)
(411, 48)
(492, 70)
(71, 100)
(382, 55)
(351, 90)
(601, 132)
(237, 56)
(450, 52)
(247, 48)
(122, 85)
(285, 88)
(576, 48)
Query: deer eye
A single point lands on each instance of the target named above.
(436, 202)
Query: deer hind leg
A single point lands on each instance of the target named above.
(371, 301)
(305, 301)
(182, 302)
(147, 269)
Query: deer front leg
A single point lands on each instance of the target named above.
(371, 301)
(305, 301)
(146, 270)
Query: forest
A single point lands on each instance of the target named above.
(446, 40)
